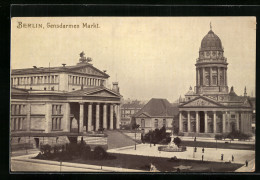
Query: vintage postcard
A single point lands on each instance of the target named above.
(132, 94)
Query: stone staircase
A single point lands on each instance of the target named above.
(117, 139)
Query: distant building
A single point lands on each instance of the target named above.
(128, 110)
(68, 101)
(212, 108)
(156, 114)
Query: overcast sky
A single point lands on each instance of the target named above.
(150, 57)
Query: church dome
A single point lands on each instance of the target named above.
(211, 42)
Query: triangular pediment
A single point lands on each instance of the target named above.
(102, 93)
(143, 115)
(88, 70)
(201, 102)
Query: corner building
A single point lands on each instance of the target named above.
(211, 108)
(57, 104)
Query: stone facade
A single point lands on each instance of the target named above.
(81, 106)
(211, 108)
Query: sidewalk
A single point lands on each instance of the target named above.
(85, 167)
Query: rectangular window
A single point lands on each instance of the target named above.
(164, 122)
(156, 123)
(233, 116)
(142, 123)
(56, 123)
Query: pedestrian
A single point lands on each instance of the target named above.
(203, 150)
(246, 163)
(222, 157)
(232, 158)
(195, 139)
(195, 149)
(202, 157)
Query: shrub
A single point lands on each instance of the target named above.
(86, 152)
(177, 141)
(46, 149)
(100, 153)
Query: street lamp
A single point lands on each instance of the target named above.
(135, 126)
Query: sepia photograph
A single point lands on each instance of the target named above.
(132, 94)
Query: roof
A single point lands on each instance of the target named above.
(92, 90)
(211, 42)
(157, 108)
(41, 70)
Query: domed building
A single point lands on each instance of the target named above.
(211, 108)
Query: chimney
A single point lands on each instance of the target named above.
(115, 87)
(63, 65)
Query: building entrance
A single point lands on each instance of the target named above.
(202, 121)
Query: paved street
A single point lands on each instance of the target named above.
(210, 154)
(117, 139)
(24, 166)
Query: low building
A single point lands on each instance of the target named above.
(62, 103)
(128, 110)
(156, 114)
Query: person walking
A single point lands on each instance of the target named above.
(203, 150)
(222, 157)
(246, 163)
(232, 158)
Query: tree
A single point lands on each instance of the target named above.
(177, 141)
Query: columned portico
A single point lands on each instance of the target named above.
(180, 122)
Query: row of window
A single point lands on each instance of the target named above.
(18, 109)
(35, 80)
(56, 109)
(56, 123)
(17, 124)
(156, 124)
(85, 81)
(214, 75)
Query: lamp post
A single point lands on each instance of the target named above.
(135, 126)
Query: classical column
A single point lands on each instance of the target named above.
(105, 116)
(180, 122)
(66, 123)
(197, 122)
(118, 117)
(111, 116)
(228, 121)
(237, 121)
(89, 117)
(210, 76)
(224, 72)
(218, 77)
(188, 121)
(203, 76)
(97, 117)
(224, 122)
(81, 116)
(206, 121)
(214, 122)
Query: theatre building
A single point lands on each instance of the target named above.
(212, 108)
(57, 104)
